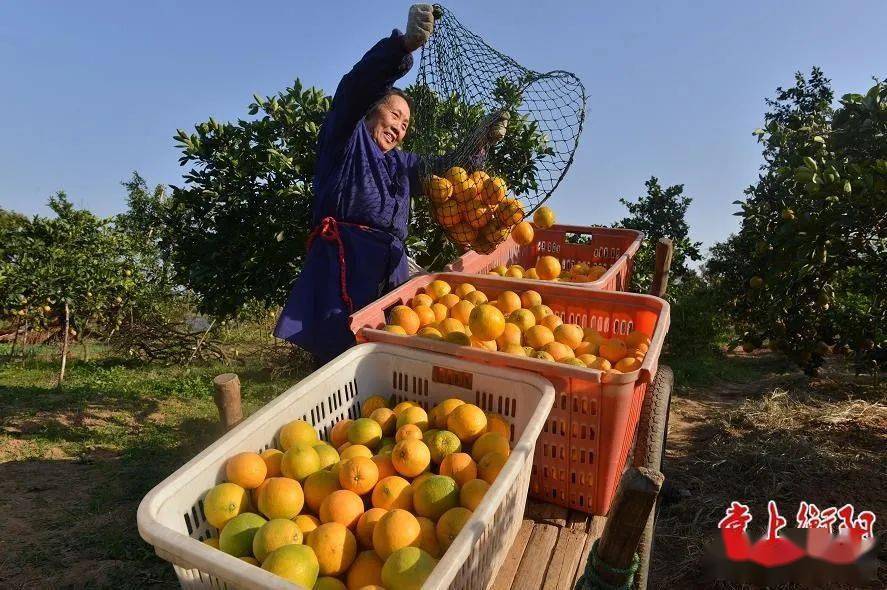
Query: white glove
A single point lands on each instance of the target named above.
(420, 25)
(498, 127)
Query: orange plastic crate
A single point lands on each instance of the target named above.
(614, 247)
(582, 450)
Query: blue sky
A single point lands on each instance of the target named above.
(94, 90)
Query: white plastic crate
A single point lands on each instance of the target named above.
(171, 516)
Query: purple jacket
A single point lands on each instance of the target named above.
(367, 192)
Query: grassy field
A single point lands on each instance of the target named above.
(76, 460)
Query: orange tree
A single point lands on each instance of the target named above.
(805, 272)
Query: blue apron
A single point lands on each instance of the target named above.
(360, 212)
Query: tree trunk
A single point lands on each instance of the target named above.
(664, 251)
(67, 329)
(18, 325)
(227, 398)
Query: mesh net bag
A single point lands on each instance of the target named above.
(478, 189)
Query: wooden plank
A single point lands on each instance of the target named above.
(578, 521)
(547, 513)
(564, 558)
(531, 573)
(505, 575)
(595, 530)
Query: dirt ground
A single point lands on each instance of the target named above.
(67, 519)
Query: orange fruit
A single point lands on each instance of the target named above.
(522, 233)
(588, 359)
(510, 212)
(529, 350)
(464, 191)
(406, 318)
(339, 433)
(486, 322)
(449, 300)
(543, 217)
(394, 330)
(522, 318)
(438, 189)
(627, 365)
(396, 529)
(335, 547)
(414, 415)
(490, 465)
(342, 506)
(406, 568)
(247, 470)
(508, 301)
(451, 325)
(371, 404)
(636, 338)
(437, 289)
(540, 312)
(484, 344)
(408, 431)
(386, 467)
(569, 334)
(429, 332)
(443, 411)
(459, 466)
(224, 502)
(448, 213)
(530, 298)
(463, 233)
(472, 493)
(272, 457)
(435, 495)
(358, 475)
(490, 442)
(596, 272)
(425, 314)
(399, 408)
(411, 457)
(393, 492)
(514, 349)
(571, 360)
(510, 336)
(475, 297)
(456, 174)
(476, 213)
(212, 542)
(531, 273)
(366, 571)
(296, 432)
(551, 322)
(548, 268)
(421, 299)
(274, 534)
(479, 177)
(237, 537)
(493, 190)
(499, 270)
(514, 272)
(497, 423)
(386, 419)
(428, 537)
(354, 451)
(279, 497)
(299, 462)
(462, 311)
(613, 350)
(306, 523)
(585, 348)
(600, 363)
(441, 311)
(542, 356)
(467, 422)
(365, 525)
(318, 486)
(538, 336)
(449, 525)
(366, 432)
(295, 563)
(463, 289)
(459, 338)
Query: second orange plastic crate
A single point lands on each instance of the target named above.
(583, 447)
(612, 247)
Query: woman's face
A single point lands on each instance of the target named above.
(388, 124)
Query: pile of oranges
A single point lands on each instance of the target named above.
(375, 507)
(549, 268)
(513, 323)
(475, 209)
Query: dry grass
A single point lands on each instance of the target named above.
(819, 440)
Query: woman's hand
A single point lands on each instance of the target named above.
(420, 25)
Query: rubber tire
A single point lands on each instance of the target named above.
(649, 452)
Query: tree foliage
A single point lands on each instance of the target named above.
(806, 270)
(661, 213)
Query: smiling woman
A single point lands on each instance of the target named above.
(389, 119)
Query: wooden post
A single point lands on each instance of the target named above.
(227, 398)
(626, 521)
(67, 329)
(18, 325)
(664, 251)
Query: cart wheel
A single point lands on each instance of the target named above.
(648, 452)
